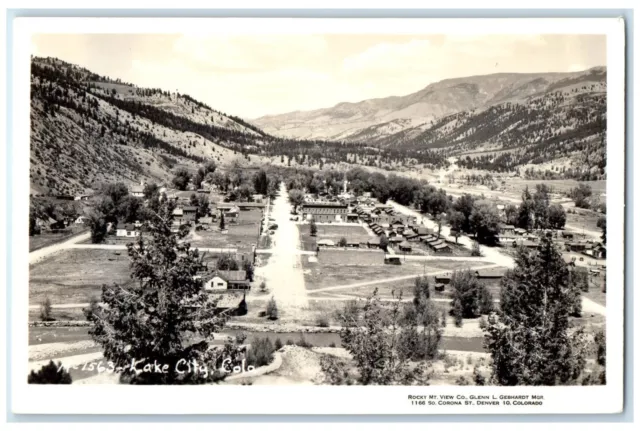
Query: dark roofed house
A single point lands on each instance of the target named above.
(576, 246)
(405, 246)
(411, 235)
(526, 244)
(490, 274)
(190, 213)
(506, 228)
(443, 278)
(421, 230)
(374, 243)
(441, 248)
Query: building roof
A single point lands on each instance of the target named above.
(324, 205)
(410, 234)
(137, 189)
(190, 208)
(228, 300)
(374, 241)
(405, 244)
(250, 205)
(396, 239)
(327, 242)
(234, 276)
(423, 231)
(178, 212)
(125, 226)
(491, 273)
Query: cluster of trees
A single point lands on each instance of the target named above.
(115, 205)
(471, 298)
(535, 211)
(581, 195)
(43, 209)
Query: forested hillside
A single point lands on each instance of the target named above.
(87, 129)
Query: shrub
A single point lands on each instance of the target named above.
(272, 309)
(342, 242)
(332, 344)
(462, 381)
(290, 342)
(478, 378)
(263, 286)
(322, 321)
(302, 342)
(45, 310)
(277, 344)
(475, 249)
(50, 374)
(261, 352)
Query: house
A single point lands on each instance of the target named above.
(506, 229)
(257, 197)
(396, 239)
(137, 191)
(353, 243)
(519, 231)
(507, 238)
(490, 274)
(576, 246)
(227, 207)
(443, 278)
(81, 220)
(325, 212)
(178, 216)
(526, 244)
(226, 280)
(127, 230)
(567, 235)
(82, 197)
(392, 260)
(411, 235)
(374, 243)
(599, 251)
(246, 206)
(326, 243)
(190, 213)
(441, 248)
(439, 287)
(205, 221)
(352, 218)
(405, 246)
(423, 231)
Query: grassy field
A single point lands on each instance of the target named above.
(242, 234)
(331, 232)
(319, 275)
(75, 276)
(46, 238)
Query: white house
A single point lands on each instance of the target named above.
(81, 220)
(127, 230)
(137, 191)
(216, 283)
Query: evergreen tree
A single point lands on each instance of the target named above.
(530, 339)
(222, 223)
(155, 317)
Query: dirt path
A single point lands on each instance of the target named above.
(283, 272)
(39, 254)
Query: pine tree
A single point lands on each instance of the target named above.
(222, 224)
(530, 339)
(150, 318)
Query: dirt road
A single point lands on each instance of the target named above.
(283, 272)
(37, 255)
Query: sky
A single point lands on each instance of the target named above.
(255, 75)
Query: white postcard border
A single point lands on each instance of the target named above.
(229, 399)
